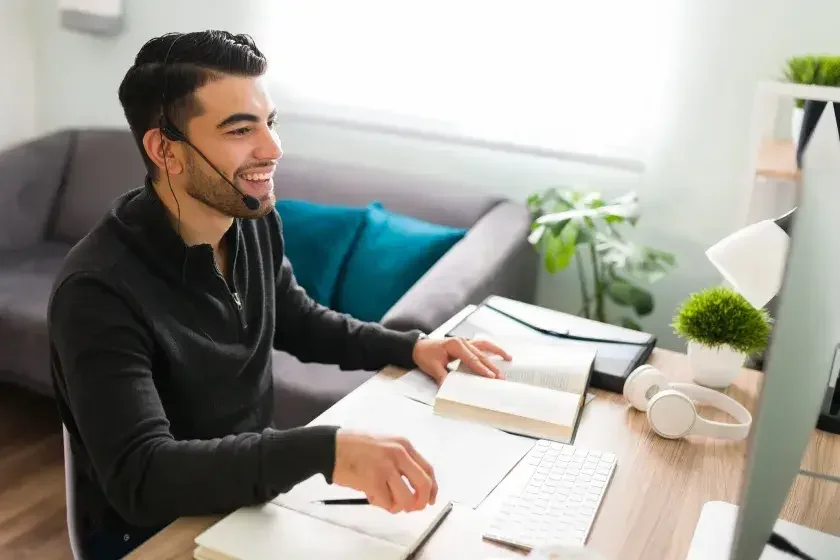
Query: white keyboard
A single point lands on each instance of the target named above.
(560, 500)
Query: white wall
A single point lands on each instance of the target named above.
(17, 71)
(692, 182)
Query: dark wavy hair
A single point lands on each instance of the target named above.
(194, 59)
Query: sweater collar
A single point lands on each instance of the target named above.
(165, 241)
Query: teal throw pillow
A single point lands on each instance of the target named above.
(318, 239)
(393, 251)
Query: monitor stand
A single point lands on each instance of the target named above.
(716, 527)
(829, 418)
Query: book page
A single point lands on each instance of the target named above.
(550, 367)
(272, 531)
(404, 528)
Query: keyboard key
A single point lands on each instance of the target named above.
(599, 478)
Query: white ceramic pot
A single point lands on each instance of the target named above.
(796, 124)
(715, 368)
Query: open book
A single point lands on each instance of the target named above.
(542, 395)
(297, 531)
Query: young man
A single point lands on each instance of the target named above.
(163, 319)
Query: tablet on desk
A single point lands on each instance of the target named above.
(619, 350)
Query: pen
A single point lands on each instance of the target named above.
(345, 502)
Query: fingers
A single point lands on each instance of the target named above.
(403, 498)
(419, 472)
(438, 372)
(475, 360)
(424, 464)
(487, 346)
(380, 494)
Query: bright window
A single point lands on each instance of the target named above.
(583, 76)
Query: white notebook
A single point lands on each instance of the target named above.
(326, 532)
(542, 393)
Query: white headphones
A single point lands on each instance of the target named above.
(671, 411)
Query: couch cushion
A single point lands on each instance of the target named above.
(303, 391)
(30, 174)
(392, 253)
(318, 239)
(105, 164)
(26, 280)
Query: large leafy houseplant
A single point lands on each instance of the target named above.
(582, 226)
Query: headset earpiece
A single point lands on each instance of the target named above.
(169, 131)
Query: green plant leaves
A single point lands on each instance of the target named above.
(719, 316)
(560, 248)
(820, 70)
(626, 294)
(640, 263)
(563, 220)
(629, 323)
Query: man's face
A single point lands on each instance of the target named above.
(236, 133)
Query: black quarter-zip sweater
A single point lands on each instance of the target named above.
(163, 371)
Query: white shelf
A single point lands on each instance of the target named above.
(801, 91)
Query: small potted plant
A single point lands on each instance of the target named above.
(817, 70)
(722, 328)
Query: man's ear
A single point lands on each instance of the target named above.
(166, 154)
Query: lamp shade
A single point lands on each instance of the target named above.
(753, 260)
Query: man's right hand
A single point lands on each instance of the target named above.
(378, 466)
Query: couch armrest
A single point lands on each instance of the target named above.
(31, 174)
(493, 258)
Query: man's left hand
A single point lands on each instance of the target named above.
(433, 355)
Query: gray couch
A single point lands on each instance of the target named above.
(53, 190)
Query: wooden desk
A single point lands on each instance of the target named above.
(653, 502)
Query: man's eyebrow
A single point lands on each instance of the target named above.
(244, 117)
(236, 118)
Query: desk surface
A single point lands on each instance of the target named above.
(653, 502)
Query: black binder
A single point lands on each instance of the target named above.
(619, 350)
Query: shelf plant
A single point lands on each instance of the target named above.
(569, 225)
(815, 70)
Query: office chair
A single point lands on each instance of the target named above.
(70, 495)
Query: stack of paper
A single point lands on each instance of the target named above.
(469, 459)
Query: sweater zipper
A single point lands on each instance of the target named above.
(234, 299)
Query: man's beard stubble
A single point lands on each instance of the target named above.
(216, 193)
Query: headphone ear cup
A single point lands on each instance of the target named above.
(642, 385)
(671, 414)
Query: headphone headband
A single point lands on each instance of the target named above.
(720, 401)
(167, 127)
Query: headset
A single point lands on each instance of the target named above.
(671, 410)
(171, 132)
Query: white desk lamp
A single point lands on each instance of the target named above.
(753, 260)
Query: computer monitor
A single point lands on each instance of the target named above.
(805, 337)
